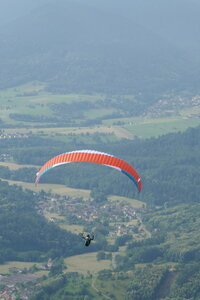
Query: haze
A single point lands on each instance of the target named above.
(148, 47)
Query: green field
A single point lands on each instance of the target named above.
(85, 263)
(60, 132)
(52, 188)
(33, 101)
(133, 202)
(156, 127)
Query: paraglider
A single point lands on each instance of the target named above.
(88, 238)
(91, 156)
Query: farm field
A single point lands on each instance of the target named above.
(85, 263)
(52, 188)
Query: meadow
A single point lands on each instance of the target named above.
(147, 128)
(85, 263)
(52, 188)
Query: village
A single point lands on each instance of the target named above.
(4, 135)
(121, 216)
(20, 282)
(171, 106)
(12, 286)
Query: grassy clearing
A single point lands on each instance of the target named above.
(14, 100)
(156, 127)
(133, 202)
(53, 189)
(115, 130)
(54, 216)
(4, 269)
(86, 263)
(76, 229)
(14, 166)
(22, 107)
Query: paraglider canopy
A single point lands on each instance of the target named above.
(92, 157)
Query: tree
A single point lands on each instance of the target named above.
(98, 195)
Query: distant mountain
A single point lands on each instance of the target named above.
(12, 9)
(174, 20)
(85, 47)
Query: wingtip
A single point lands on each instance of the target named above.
(139, 185)
(36, 179)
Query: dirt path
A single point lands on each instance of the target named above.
(114, 265)
(143, 227)
(96, 289)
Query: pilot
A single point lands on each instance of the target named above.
(88, 238)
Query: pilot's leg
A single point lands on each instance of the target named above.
(87, 243)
